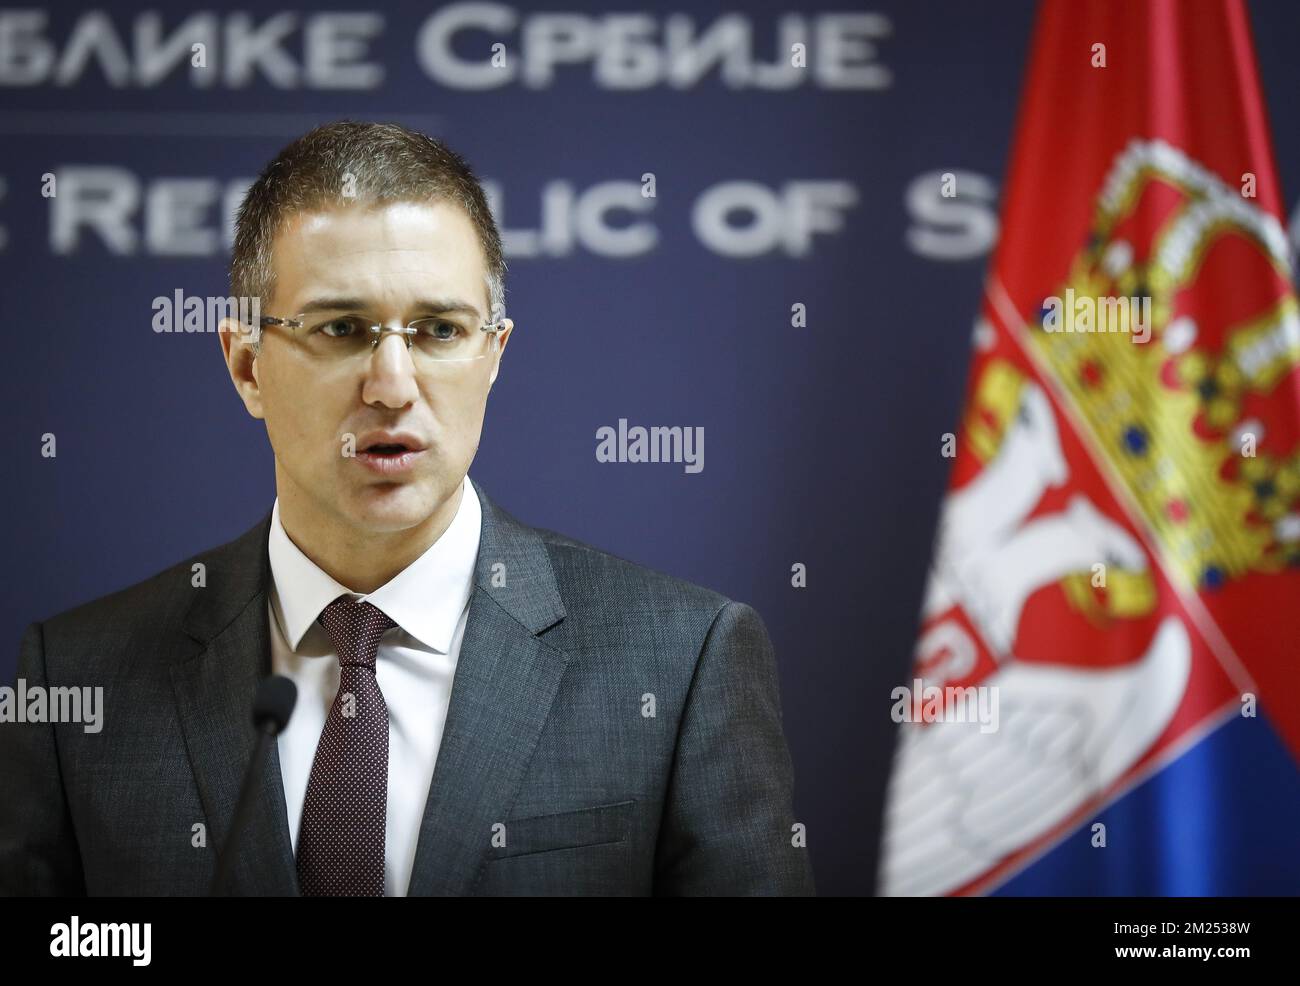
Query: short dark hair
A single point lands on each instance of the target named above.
(387, 163)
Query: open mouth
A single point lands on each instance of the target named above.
(387, 449)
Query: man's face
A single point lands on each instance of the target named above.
(393, 263)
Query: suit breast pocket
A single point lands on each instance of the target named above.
(594, 826)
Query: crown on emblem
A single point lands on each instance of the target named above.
(1165, 416)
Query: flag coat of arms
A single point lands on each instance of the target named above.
(1118, 554)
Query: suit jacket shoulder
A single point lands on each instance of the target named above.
(599, 588)
(126, 621)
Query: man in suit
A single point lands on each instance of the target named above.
(483, 707)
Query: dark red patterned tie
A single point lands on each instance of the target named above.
(341, 839)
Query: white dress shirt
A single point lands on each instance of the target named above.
(429, 602)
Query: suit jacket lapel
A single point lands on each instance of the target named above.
(214, 697)
(506, 679)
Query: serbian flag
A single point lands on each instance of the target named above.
(1116, 573)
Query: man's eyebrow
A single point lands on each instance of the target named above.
(434, 306)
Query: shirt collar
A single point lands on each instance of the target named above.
(425, 599)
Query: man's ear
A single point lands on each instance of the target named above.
(241, 361)
(503, 336)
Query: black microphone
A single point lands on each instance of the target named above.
(272, 707)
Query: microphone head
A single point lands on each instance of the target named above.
(273, 704)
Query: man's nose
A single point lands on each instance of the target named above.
(390, 374)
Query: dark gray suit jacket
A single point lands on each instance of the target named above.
(548, 732)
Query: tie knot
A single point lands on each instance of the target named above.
(355, 629)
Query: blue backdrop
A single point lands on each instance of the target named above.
(822, 442)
